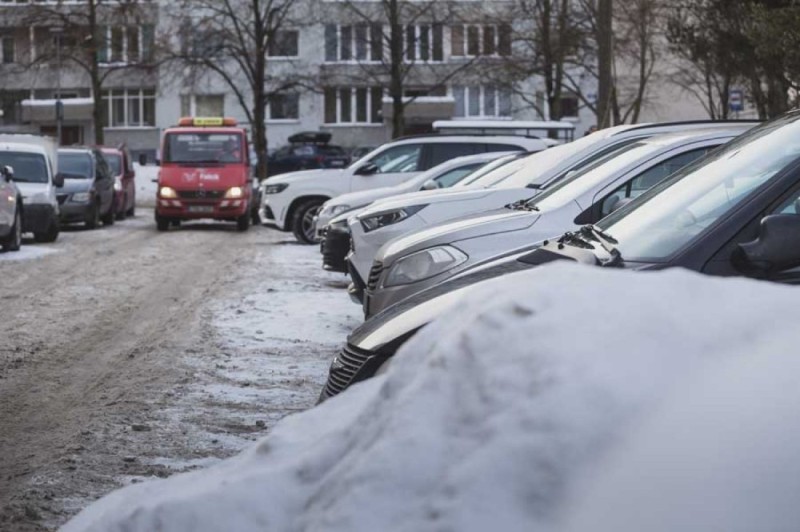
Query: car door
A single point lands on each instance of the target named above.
(388, 167)
(104, 184)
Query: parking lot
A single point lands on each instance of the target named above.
(132, 354)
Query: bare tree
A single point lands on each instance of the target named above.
(96, 36)
(231, 39)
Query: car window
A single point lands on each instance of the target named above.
(303, 151)
(503, 147)
(648, 179)
(114, 163)
(101, 167)
(454, 175)
(444, 151)
(28, 167)
(404, 158)
(75, 165)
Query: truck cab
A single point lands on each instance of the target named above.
(205, 173)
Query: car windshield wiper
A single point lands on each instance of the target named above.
(606, 241)
(573, 239)
(522, 205)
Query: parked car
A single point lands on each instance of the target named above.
(87, 194)
(736, 212)
(35, 167)
(307, 150)
(121, 165)
(10, 211)
(391, 218)
(411, 263)
(336, 236)
(291, 201)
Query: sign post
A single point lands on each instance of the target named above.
(736, 101)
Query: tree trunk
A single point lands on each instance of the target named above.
(605, 60)
(396, 70)
(259, 124)
(94, 75)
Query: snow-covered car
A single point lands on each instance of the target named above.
(35, 168)
(290, 201)
(411, 263)
(735, 212)
(10, 211)
(389, 219)
(336, 237)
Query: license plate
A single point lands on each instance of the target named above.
(200, 208)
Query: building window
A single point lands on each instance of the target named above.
(129, 108)
(202, 105)
(7, 50)
(423, 43)
(569, 106)
(284, 106)
(125, 44)
(360, 105)
(284, 43)
(472, 40)
(482, 102)
(359, 42)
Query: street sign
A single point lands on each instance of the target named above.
(736, 100)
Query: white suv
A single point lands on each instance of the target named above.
(290, 201)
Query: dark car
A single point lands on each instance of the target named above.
(307, 151)
(736, 212)
(87, 196)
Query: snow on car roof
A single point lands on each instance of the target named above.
(502, 415)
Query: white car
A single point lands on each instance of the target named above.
(388, 219)
(445, 175)
(35, 167)
(290, 201)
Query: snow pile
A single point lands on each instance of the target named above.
(145, 188)
(507, 414)
(27, 252)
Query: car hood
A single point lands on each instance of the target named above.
(365, 197)
(74, 185)
(307, 175)
(497, 221)
(429, 197)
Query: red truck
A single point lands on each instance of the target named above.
(205, 173)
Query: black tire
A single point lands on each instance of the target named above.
(255, 218)
(93, 217)
(132, 211)
(302, 221)
(14, 239)
(162, 224)
(243, 222)
(108, 218)
(50, 235)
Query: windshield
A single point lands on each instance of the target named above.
(114, 163)
(673, 213)
(575, 185)
(203, 148)
(494, 172)
(75, 165)
(28, 167)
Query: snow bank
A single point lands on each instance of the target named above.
(504, 415)
(27, 252)
(145, 188)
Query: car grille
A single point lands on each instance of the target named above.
(345, 367)
(374, 275)
(334, 250)
(201, 194)
(62, 198)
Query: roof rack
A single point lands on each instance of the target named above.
(449, 134)
(686, 122)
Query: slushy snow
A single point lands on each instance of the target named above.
(548, 400)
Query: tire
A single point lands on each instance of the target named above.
(243, 222)
(109, 217)
(255, 218)
(303, 221)
(162, 224)
(14, 239)
(120, 214)
(93, 217)
(132, 211)
(50, 235)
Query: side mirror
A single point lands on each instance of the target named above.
(776, 249)
(142, 159)
(367, 169)
(8, 172)
(58, 180)
(430, 184)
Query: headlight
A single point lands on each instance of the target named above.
(424, 264)
(167, 193)
(234, 192)
(276, 188)
(81, 197)
(117, 184)
(377, 221)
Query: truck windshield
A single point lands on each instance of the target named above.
(28, 167)
(199, 147)
(75, 165)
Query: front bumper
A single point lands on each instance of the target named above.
(335, 247)
(38, 218)
(181, 209)
(74, 212)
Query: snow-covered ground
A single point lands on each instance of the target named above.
(28, 251)
(562, 398)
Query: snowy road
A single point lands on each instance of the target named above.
(130, 354)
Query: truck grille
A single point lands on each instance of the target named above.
(345, 367)
(374, 275)
(201, 194)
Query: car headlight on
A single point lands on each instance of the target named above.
(276, 188)
(81, 197)
(234, 193)
(167, 193)
(424, 264)
(117, 184)
(383, 219)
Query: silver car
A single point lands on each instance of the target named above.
(10, 211)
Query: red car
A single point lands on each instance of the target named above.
(119, 160)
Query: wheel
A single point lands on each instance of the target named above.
(93, 217)
(14, 239)
(132, 211)
(243, 222)
(50, 235)
(175, 223)
(303, 222)
(255, 218)
(108, 218)
(120, 214)
(162, 224)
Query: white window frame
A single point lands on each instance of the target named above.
(482, 90)
(125, 59)
(353, 45)
(465, 40)
(127, 96)
(418, 44)
(353, 110)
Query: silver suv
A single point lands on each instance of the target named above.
(10, 211)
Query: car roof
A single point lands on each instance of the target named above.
(21, 147)
(518, 140)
